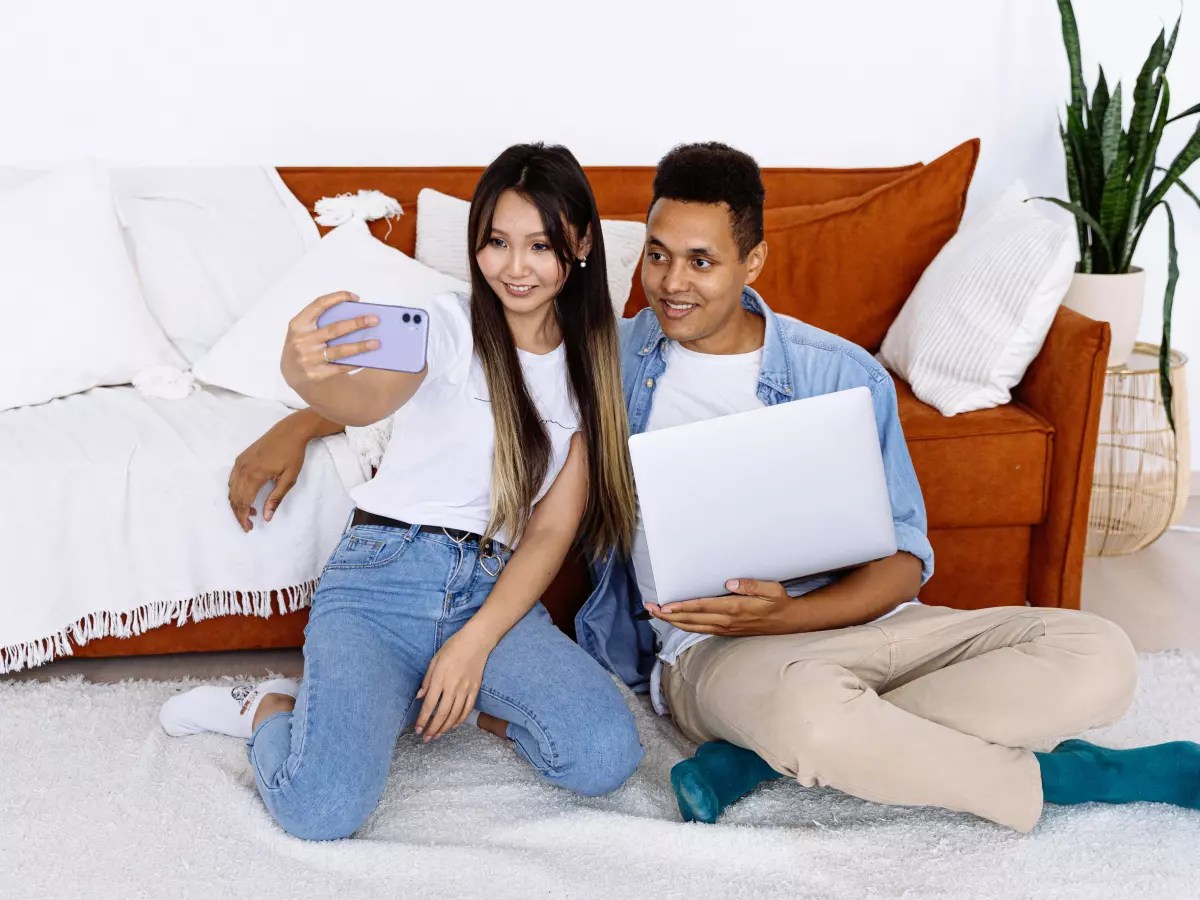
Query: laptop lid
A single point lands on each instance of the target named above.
(773, 494)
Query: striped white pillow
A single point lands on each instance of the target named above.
(981, 311)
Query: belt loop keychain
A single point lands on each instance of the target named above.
(491, 554)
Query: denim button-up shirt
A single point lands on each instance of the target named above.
(798, 361)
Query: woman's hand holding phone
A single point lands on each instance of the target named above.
(307, 357)
(312, 365)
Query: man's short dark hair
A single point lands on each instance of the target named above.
(716, 173)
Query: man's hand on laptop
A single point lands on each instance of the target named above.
(764, 607)
(751, 608)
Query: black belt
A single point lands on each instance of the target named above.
(458, 535)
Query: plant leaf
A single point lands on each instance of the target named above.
(1080, 213)
(1187, 190)
(1188, 155)
(1081, 230)
(1114, 204)
(1072, 166)
(1190, 111)
(1146, 97)
(1091, 180)
(1111, 133)
(1094, 141)
(1164, 349)
(1140, 189)
(1170, 48)
(1100, 101)
(1179, 183)
(1070, 32)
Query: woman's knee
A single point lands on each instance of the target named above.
(315, 818)
(323, 810)
(592, 751)
(606, 761)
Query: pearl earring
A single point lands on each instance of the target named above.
(583, 264)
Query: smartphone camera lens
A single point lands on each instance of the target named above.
(406, 317)
(417, 319)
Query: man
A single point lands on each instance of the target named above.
(850, 683)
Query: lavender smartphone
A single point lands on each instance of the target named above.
(402, 333)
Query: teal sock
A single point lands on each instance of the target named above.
(716, 776)
(1080, 772)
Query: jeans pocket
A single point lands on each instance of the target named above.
(358, 549)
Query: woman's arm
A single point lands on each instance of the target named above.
(544, 545)
(341, 393)
(454, 676)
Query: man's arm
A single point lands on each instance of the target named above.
(276, 456)
(764, 607)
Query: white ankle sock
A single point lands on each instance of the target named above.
(226, 710)
(473, 717)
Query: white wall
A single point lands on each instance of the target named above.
(806, 82)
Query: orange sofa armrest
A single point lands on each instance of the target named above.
(1065, 386)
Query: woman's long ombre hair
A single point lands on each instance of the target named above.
(552, 180)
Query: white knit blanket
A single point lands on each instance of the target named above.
(114, 518)
(97, 804)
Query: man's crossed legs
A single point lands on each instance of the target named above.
(929, 707)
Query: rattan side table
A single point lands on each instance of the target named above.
(1141, 481)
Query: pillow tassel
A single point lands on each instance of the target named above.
(365, 205)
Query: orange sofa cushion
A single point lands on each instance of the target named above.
(980, 469)
(848, 265)
(974, 568)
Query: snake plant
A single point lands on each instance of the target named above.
(1111, 169)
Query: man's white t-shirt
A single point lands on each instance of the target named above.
(437, 469)
(697, 386)
(694, 387)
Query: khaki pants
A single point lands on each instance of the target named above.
(930, 707)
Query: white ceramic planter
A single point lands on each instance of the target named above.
(1116, 299)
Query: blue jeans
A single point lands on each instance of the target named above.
(387, 601)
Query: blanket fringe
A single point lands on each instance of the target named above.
(16, 657)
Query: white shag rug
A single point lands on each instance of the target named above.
(96, 802)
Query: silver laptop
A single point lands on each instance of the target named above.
(773, 494)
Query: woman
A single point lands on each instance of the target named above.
(514, 447)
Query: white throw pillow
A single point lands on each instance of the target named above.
(442, 243)
(69, 297)
(349, 258)
(981, 311)
(207, 242)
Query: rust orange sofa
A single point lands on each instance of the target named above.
(1006, 489)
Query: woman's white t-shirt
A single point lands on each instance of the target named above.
(437, 469)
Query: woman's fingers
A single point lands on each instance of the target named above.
(343, 328)
(472, 699)
(341, 351)
(459, 714)
(431, 691)
(445, 708)
(309, 315)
